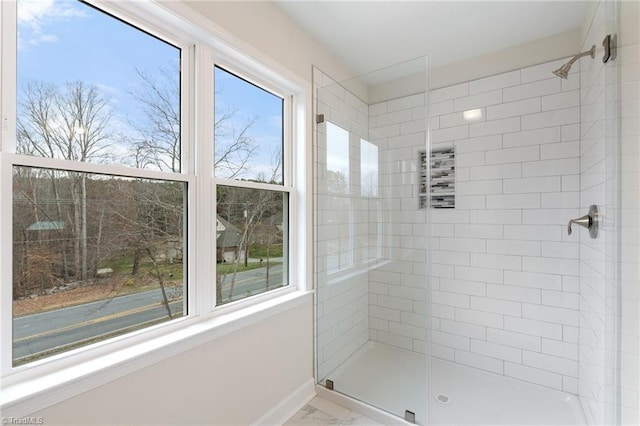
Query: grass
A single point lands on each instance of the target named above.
(260, 251)
(228, 268)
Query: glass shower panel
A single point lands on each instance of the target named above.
(370, 238)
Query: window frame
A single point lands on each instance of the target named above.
(203, 46)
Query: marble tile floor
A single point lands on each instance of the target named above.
(320, 411)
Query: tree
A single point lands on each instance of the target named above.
(72, 123)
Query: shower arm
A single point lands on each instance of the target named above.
(591, 52)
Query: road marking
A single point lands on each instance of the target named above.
(91, 322)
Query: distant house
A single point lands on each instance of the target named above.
(228, 238)
(46, 226)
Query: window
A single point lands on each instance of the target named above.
(120, 186)
(252, 197)
(98, 244)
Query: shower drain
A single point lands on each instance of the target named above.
(443, 399)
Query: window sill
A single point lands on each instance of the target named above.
(28, 396)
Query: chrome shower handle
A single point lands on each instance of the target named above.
(590, 221)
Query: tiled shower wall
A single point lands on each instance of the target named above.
(342, 230)
(504, 271)
(610, 176)
(398, 283)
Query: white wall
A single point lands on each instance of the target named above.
(504, 272)
(234, 380)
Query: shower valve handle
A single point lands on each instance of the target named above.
(589, 221)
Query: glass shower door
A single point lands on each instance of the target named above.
(370, 238)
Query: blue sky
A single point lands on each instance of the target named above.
(62, 41)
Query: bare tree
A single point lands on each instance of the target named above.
(72, 123)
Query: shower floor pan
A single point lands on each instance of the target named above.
(394, 380)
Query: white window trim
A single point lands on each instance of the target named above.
(28, 388)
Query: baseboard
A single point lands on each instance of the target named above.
(282, 412)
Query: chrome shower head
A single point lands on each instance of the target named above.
(563, 71)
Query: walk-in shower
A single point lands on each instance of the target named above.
(449, 289)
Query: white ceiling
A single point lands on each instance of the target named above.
(369, 35)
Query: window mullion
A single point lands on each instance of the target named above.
(203, 233)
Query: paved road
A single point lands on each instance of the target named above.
(62, 329)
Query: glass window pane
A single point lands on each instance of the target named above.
(94, 257)
(109, 93)
(368, 168)
(251, 242)
(249, 126)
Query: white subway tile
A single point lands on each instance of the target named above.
(513, 201)
(478, 101)
(463, 244)
(478, 274)
(410, 293)
(463, 329)
(501, 171)
(463, 287)
(513, 109)
(442, 311)
(450, 134)
(570, 183)
(497, 261)
(470, 202)
(533, 375)
(480, 318)
(443, 352)
(469, 159)
(449, 216)
(542, 136)
(479, 361)
(450, 257)
(406, 102)
(499, 81)
(547, 313)
(447, 299)
(390, 339)
(557, 117)
(513, 155)
(561, 299)
(496, 216)
(495, 127)
(528, 185)
(480, 187)
(533, 280)
(550, 265)
(532, 233)
(570, 385)
(377, 109)
(533, 327)
(565, 99)
(570, 284)
(548, 216)
(563, 200)
(567, 166)
(450, 92)
(394, 303)
(478, 231)
(496, 351)
(441, 108)
(496, 306)
(560, 150)
(571, 132)
(514, 247)
(513, 293)
(395, 117)
(517, 340)
(408, 330)
(531, 90)
(451, 340)
(551, 363)
(570, 334)
(458, 119)
(562, 250)
(479, 144)
(414, 126)
(384, 313)
(560, 349)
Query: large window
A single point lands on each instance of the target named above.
(111, 219)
